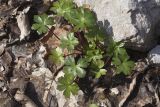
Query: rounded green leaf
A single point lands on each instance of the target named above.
(80, 72)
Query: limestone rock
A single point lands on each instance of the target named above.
(132, 20)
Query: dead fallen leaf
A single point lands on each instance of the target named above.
(23, 23)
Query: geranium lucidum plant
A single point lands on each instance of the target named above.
(92, 54)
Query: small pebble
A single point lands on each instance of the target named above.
(114, 91)
(2, 68)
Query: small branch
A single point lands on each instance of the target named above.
(74, 53)
(49, 34)
(56, 36)
(58, 70)
(82, 39)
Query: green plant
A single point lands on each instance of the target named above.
(67, 85)
(82, 18)
(86, 38)
(123, 65)
(69, 42)
(93, 54)
(93, 36)
(63, 7)
(57, 56)
(120, 58)
(76, 69)
(42, 22)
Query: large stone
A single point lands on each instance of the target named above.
(132, 20)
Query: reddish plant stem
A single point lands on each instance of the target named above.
(74, 53)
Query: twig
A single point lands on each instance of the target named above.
(58, 70)
(56, 36)
(74, 53)
(49, 34)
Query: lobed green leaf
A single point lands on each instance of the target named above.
(42, 22)
(67, 85)
(76, 69)
(57, 56)
(69, 42)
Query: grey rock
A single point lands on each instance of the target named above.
(154, 55)
(132, 20)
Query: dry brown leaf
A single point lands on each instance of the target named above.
(23, 23)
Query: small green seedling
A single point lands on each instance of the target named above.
(42, 22)
(57, 56)
(69, 42)
(67, 85)
(76, 69)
